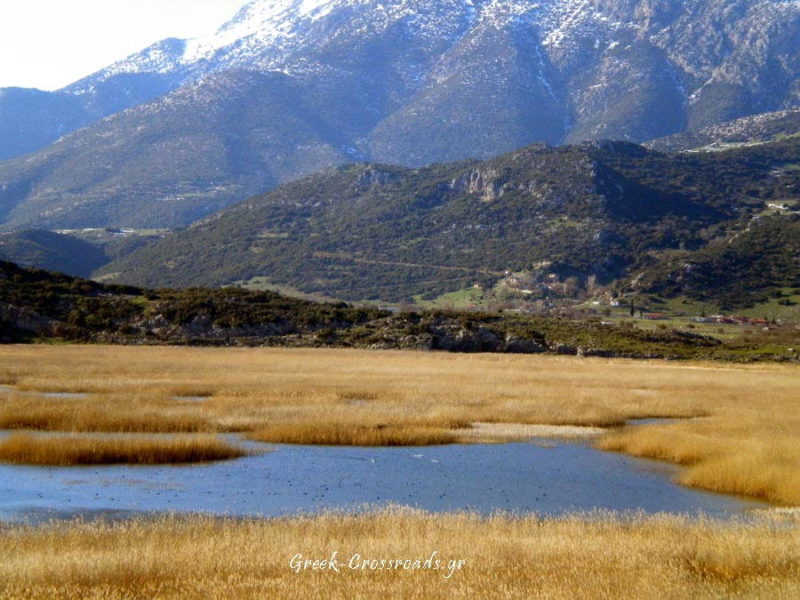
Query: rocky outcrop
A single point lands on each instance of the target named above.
(372, 177)
(21, 319)
(453, 337)
(515, 344)
(480, 182)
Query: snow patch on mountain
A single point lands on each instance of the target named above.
(265, 33)
(259, 23)
(585, 57)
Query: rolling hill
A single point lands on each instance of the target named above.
(52, 251)
(366, 231)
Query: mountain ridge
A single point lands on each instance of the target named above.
(404, 83)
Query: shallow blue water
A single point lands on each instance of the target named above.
(525, 477)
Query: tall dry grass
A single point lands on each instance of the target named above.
(739, 452)
(504, 557)
(748, 443)
(108, 414)
(78, 450)
(254, 384)
(354, 434)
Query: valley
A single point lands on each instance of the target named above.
(419, 299)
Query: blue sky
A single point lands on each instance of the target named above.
(48, 44)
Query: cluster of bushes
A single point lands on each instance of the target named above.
(87, 307)
(87, 311)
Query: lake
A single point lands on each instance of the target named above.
(548, 478)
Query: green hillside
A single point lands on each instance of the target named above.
(748, 268)
(52, 251)
(361, 232)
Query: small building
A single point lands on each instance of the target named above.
(702, 319)
(777, 206)
(654, 316)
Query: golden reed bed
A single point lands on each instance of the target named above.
(70, 450)
(502, 557)
(740, 434)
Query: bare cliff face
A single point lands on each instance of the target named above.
(288, 87)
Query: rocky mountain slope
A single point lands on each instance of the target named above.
(178, 160)
(758, 129)
(33, 119)
(368, 231)
(321, 82)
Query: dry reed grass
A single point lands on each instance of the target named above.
(739, 452)
(107, 414)
(577, 558)
(76, 450)
(354, 434)
(747, 445)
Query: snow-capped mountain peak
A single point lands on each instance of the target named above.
(266, 34)
(261, 22)
(416, 81)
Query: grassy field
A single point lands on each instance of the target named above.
(499, 557)
(739, 433)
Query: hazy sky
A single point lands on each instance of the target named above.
(50, 43)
